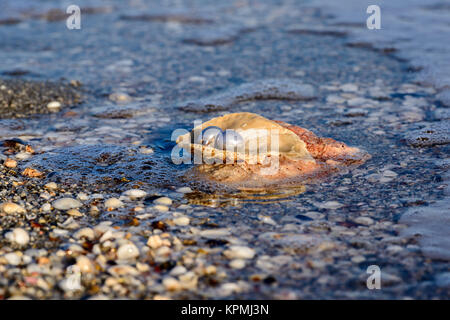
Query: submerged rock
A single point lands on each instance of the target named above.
(279, 89)
(435, 133)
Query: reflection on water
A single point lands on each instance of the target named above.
(254, 195)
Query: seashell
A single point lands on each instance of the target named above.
(264, 152)
(230, 140)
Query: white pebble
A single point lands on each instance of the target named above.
(51, 186)
(83, 196)
(66, 204)
(12, 258)
(19, 236)
(127, 251)
(239, 252)
(134, 194)
(181, 221)
(184, 190)
(161, 208)
(54, 105)
(364, 221)
(11, 208)
(113, 203)
(237, 264)
(163, 201)
(46, 207)
(87, 233)
(330, 205)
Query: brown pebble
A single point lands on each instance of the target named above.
(10, 163)
(32, 173)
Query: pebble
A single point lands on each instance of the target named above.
(239, 252)
(171, 284)
(85, 264)
(12, 258)
(46, 207)
(121, 270)
(237, 264)
(177, 271)
(184, 190)
(54, 105)
(161, 208)
(181, 221)
(19, 236)
(87, 233)
(10, 163)
(113, 203)
(163, 201)
(127, 251)
(83, 196)
(134, 194)
(330, 205)
(51, 186)
(11, 208)
(366, 221)
(74, 213)
(156, 241)
(66, 204)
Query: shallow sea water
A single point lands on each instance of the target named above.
(309, 240)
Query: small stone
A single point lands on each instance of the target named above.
(332, 205)
(358, 259)
(32, 173)
(74, 213)
(66, 204)
(184, 190)
(237, 264)
(10, 163)
(19, 236)
(127, 252)
(134, 194)
(11, 208)
(122, 270)
(51, 186)
(12, 258)
(181, 221)
(163, 201)
(85, 264)
(389, 173)
(87, 233)
(119, 97)
(46, 207)
(161, 208)
(239, 252)
(171, 284)
(113, 203)
(394, 249)
(83, 196)
(177, 271)
(54, 106)
(156, 242)
(366, 221)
